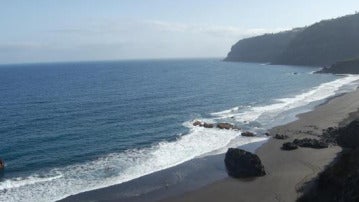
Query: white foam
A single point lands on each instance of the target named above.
(124, 166)
(269, 112)
(120, 167)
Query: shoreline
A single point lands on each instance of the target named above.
(287, 171)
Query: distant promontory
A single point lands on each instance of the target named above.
(322, 44)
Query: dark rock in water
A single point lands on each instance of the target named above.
(281, 137)
(203, 124)
(2, 165)
(349, 135)
(248, 134)
(241, 164)
(311, 143)
(267, 134)
(208, 125)
(227, 126)
(289, 146)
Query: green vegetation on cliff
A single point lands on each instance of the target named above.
(264, 48)
(322, 43)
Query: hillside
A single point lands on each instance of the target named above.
(264, 48)
(322, 43)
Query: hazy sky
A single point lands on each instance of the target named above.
(77, 30)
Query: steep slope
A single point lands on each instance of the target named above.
(264, 48)
(322, 43)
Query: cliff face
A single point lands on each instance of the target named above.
(322, 43)
(263, 49)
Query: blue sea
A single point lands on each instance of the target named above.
(67, 128)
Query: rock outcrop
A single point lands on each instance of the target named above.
(311, 143)
(289, 146)
(243, 164)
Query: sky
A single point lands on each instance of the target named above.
(85, 30)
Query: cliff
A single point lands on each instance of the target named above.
(322, 43)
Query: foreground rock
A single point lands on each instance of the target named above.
(289, 146)
(247, 134)
(340, 180)
(227, 126)
(242, 164)
(311, 143)
(281, 137)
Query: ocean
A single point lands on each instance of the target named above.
(67, 128)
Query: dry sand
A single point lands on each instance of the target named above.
(286, 170)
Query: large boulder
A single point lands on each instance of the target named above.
(349, 135)
(242, 164)
(247, 134)
(311, 143)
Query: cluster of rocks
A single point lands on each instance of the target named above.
(243, 164)
(281, 137)
(305, 142)
(226, 126)
(203, 124)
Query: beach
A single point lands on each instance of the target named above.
(287, 171)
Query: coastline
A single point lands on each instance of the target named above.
(287, 171)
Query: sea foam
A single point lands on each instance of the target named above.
(265, 114)
(115, 168)
(121, 167)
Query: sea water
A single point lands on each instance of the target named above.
(67, 128)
